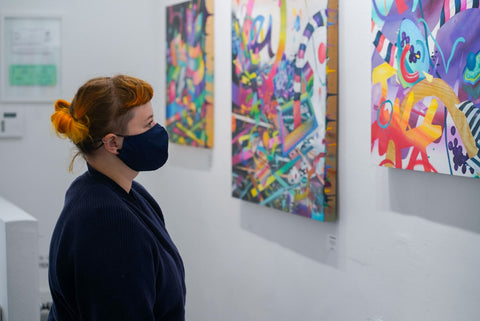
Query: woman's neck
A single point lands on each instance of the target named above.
(113, 167)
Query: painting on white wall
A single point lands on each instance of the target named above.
(189, 95)
(284, 105)
(426, 86)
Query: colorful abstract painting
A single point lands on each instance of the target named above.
(284, 105)
(426, 85)
(189, 85)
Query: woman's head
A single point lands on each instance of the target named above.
(100, 106)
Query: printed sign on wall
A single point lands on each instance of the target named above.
(31, 58)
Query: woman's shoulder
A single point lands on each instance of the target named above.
(140, 189)
(95, 216)
(90, 198)
(87, 187)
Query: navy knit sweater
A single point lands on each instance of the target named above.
(111, 257)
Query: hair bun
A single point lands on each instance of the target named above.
(61, 105)
(66, 125)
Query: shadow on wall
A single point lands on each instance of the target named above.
(182, 156)
(449, 200)
(302, 235)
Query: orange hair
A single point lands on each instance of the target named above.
(100, 106)
(66, 125)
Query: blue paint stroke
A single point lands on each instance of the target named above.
(459, 40)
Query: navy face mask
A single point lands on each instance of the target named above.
(147, 151)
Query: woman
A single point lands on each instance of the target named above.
(111, 257)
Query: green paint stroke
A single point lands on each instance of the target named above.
(33, 75)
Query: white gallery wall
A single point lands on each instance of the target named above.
(406, 245)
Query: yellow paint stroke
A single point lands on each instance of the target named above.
(426, 133)
(381, 74)
(428, 76)
(190, 134)
(440, 89)
(391, 154)
(330, 71)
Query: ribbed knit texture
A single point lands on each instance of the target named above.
(111, 257)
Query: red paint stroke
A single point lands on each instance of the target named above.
(401, 6)
(409, 77)
(322, 53)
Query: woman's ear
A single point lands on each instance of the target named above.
(112, 143)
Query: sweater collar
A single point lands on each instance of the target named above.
(104, 178)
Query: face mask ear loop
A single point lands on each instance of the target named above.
(103, 142)
(98, 147)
